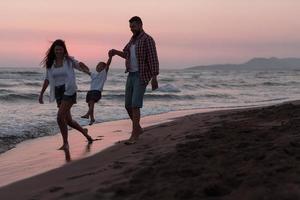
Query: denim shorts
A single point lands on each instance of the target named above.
(59, 95)
(134, 91)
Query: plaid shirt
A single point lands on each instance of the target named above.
(146, 55)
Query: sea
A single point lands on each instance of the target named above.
(23, 118)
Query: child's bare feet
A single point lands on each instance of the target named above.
(91, 122)
(85, 116)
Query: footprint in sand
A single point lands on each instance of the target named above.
(118, 164)
(55, 189)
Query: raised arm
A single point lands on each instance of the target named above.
(114, 52)
(108, 63)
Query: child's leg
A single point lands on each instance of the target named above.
(87, 115)
(91, 111)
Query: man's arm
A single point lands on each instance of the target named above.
(114, 52)
(153, 62)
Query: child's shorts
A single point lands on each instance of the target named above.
(93, 95)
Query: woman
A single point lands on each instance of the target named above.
(61, 77)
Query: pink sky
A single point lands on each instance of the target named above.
(187, 33)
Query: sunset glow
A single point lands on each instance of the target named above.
(187, 33)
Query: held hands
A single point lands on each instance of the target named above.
(84, 68)
(111, 53)
(154, 83)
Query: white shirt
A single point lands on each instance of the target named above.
(134, 66)
(70, 80)
(98, 80)
(60, 75)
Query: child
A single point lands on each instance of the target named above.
(97, 82)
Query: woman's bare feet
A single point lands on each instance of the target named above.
(88, 137)
(64, 147)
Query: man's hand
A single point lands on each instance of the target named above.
(154, 83)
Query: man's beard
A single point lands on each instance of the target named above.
(136, 33)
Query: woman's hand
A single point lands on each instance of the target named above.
(41, 101)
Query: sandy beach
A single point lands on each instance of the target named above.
(247, 153)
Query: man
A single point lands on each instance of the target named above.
(143, 66)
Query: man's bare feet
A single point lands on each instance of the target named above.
(134, 137)
(140, 130)
(130, 142)
(64, 147)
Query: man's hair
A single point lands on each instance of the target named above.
(136, 19)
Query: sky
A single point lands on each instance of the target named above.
(187, 32)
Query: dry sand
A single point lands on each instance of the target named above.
(243, 154)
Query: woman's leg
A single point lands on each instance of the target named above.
(72, 123)
(64, 108)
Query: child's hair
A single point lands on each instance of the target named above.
(102, 63)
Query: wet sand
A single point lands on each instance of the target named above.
(36, 156)
(251, 153)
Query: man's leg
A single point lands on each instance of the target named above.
(137, 103)
(136, 127)
(129, 111)
(128, 96)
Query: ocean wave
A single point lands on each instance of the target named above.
(29, 132)
(20, 72)
(4, 91)
(218, 96)
(152, 96)
(18, 97)
(273, 84)
(39, 84)
(268, 100)
(168, 88)
(8, 84)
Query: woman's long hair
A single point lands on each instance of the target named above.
(50, 54)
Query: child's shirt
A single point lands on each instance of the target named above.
(98, 80)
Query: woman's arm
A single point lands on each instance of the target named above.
(45, 85)
(84, 68)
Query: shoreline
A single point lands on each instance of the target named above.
(11, 142)
(33, 153)
(215, 151)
